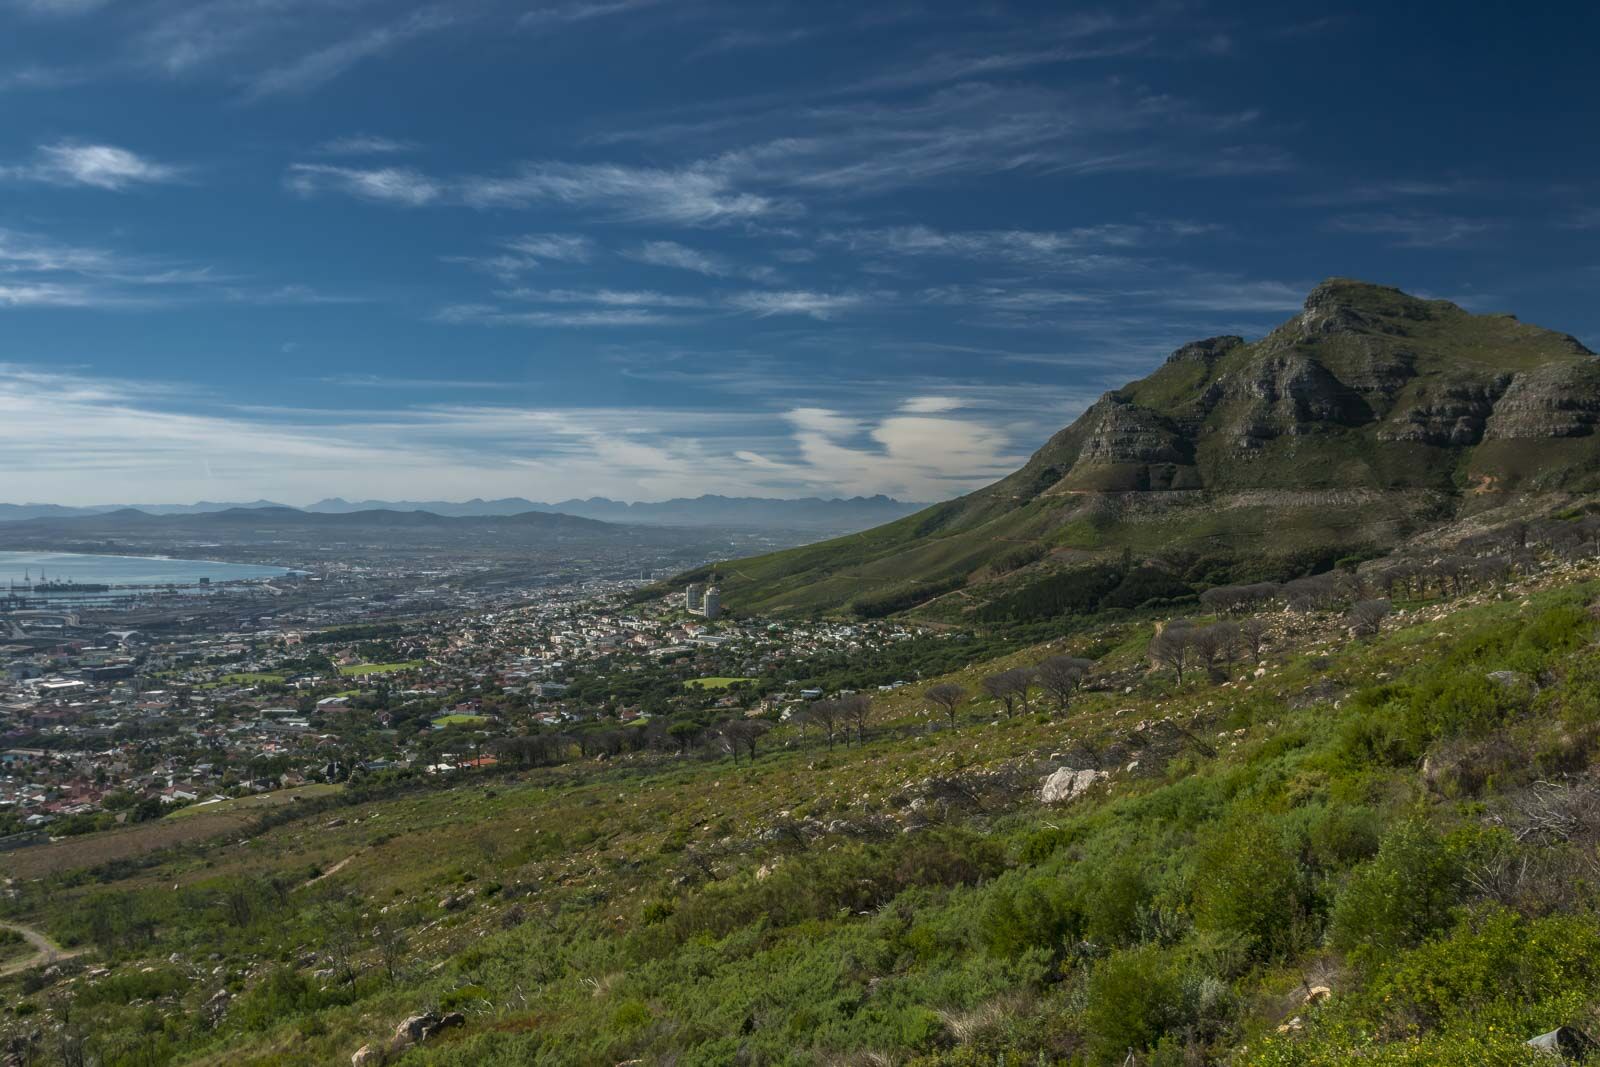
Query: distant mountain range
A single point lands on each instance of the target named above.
(812, 513)
(1370, 417)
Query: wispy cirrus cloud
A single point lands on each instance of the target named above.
(559, 14)
(386, 185)
(497, 315)
(324, 64)
(41, 78)
(1415, 230)
(694, 195)
(798, 302)
(639, 298)
(96, 166)
(365, 144)
(680, 257)
(1392, 190)
(58, 8)
(529, 252)
(40, 273)
(1087, 248)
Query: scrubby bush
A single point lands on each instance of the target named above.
(1247, 883)
(1403, 894)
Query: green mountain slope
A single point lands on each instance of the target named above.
(1366, 418)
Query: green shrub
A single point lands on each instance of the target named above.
(1247, 883)
(1493, 956)
(1038, 913)
(1402, 895)
(1133, 998)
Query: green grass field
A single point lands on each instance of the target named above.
(358, 670)
(715, 683)
(459, 720)
(259, 801)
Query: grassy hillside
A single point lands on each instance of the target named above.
(1368, 417)
(1374, 848)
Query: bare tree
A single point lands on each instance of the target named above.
(1367, 616)
(1010, 687)
(1173, 647)
(948, 696)
(826, 716)
(855, 709)
(1027, 681)
(1060, 676)
(737, 734)
(1205, 645)
(1253, 635)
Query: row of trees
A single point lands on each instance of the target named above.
(838, 717)
(1181, 645)
(1057, 676)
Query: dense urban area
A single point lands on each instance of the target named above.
(309, 679)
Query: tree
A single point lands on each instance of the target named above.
(855, 709)
(1205, 646)
(948, 696)
(1173, 647)
(1010, 687)
(1253, 635)
(1367, 616)
(826, 716)
(684, 734)
(737, 734)
(1060, 676)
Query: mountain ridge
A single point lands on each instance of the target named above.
(806, 513)
(1369, 416)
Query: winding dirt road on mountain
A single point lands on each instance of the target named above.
(45, 950)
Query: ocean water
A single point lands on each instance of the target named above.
(122, 570)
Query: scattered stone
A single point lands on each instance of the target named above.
(1067, 784)
(366, 1056)
(1564, 1041)
(1317, 994)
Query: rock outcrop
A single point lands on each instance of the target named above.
(1067, 784)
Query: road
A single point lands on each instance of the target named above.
(45, 950)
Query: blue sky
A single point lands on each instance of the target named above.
(650, 248)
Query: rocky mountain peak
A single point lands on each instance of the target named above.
(1206, 352)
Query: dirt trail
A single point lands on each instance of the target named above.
(335, 869)
(45, 950)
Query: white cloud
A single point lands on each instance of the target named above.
(72, 438)
(566, 247)
(323, 65)
(797, 302)
(680, 257)
(1229, 295)
(931, 405)
(45, 294)
(529, 252)
(98, 166)
(490, 315)
(823, 421)
(389, 185)
(583, 11)
(59, 7)
(1416, 230)
(911, 455)
(604, 297)
(365, 144)
(694, 195)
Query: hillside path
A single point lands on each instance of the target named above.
(45, 950)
